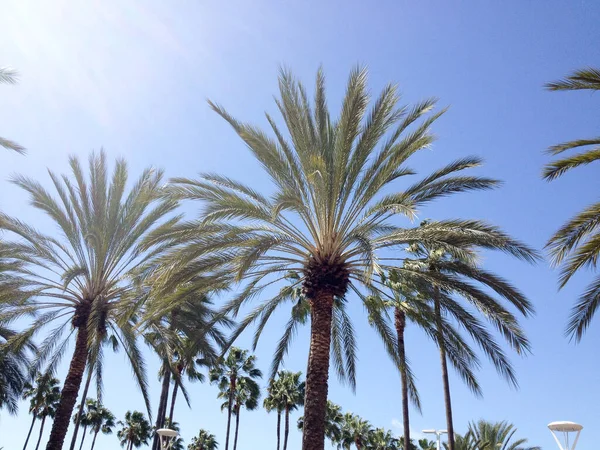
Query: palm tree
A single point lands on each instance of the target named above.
(355, 431)
(273, 403)
(177, 442)
(9, 76)
(381, 439)
(246, 394)
(14, 363)
(43, 400)
(426, 444)
(327, 218)
(227, 373)
(80, 275)
(204, 441)
(466, 442)
(577, 243)
(290, 391)
(497, 436)
(100, 420)
(84, 419)
(136, 430)
(333, 422)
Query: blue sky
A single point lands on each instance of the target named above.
(133, 77)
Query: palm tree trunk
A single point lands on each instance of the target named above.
(278, 428)
(237, 426)
(287, 428)
(175, 388)
(400, 322)
(83, 437)
(162, 405)
(41, 432)
(94, 440)
(317, 373)
(229, 408)
(70, 389)
(31, 429)
(445, 379)
(81, 406)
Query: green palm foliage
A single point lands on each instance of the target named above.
(334, 419)
(99, 419)
(43, 399)
(177, 443)
(497, 436)
(204, 441)
(80, 276)
(14, 364)
(381, 439)
(355, 431)
(327, 218)
(426, 444)
(285, 394)
(9, 76)
(576, 245)
(466, 442)
(135, 430)
(237, 367)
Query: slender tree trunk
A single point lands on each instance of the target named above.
(81, 406)
(71, 387)
(237, 426)
(287, 428)
(232, 386)
(445, 379)
(278, 428)
(162, 405)
(317, 373)
(41, 432)
(94, 440)
(83, 437)
(130, 446)
(31, 429)
(400, 321)
(175, 388)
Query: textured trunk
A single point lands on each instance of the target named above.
(162, 405)
(400, 322)
(317, 373)
(31, 429)
(41, 432)
(94, 440)
(445, 380)
(175, 388)
(83, 437)
(287, 428)
(68, 396)
(278, 429)
(81, 406)
(229, 409)
(237, 426)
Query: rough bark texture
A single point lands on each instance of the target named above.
(400, 322)
(237, 426)
(162, 405)
(70, 389)
(445, 380)
(232, 383)
(317, 374)
(80, 411)
(278, 429)
(41, 432)
(175, 388)
(287, 428)
(31, 429)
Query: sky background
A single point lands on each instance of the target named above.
(133, 78)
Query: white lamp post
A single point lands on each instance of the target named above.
(438, 434)
(167, 437)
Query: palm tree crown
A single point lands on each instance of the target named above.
(204, 441)
(135, 430)
(497, 436)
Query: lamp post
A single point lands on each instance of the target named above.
(438, 434)
(166, 437)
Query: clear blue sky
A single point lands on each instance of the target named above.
(133, 77)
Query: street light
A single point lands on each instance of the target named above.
(167, 437)
(438, 433)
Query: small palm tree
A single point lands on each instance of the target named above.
(497, 436)
(576, 244)
(43, 399)
(204, 441)
(9, 76)
(14, 364)
(355, 431)
(100, 420)
(177, 443)
(135, 430)
(246, 395)
(226, 375)
(381, 439)
(273, 403)
(84, 419)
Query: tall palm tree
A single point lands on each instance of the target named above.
(497, 436)
(328, 218)
(9, 76)
(246, 395)
(43, 397)
(135, 430)
(576, 244)
(204, 441)
(237, 365)
(290, 391)
(100, 420)
(273, 402)
(81, 274)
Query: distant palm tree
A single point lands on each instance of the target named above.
(14, 360)
(381, 439)
(355, 431)
(100, 420)
(9, 76)
(43, 397)
(497, 436)
(135, 430)
(204, 441)
(81, 275)
(286, 393)
(84, 419)
(577, 243)
(273, 403)
(329, 217)
(466, 442)
(177, 443)
(226, 374)
(246, 395)
(426, 444)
